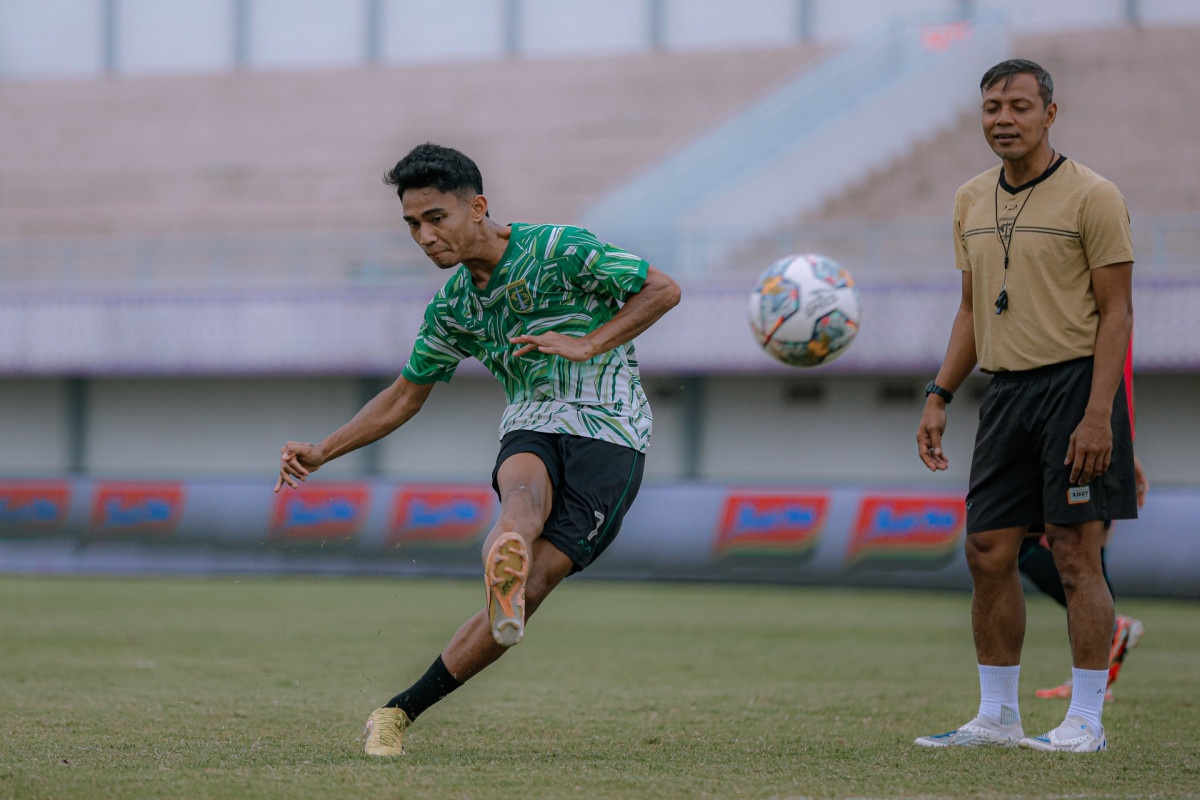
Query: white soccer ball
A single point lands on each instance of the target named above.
(805, 310)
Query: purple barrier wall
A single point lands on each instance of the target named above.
(840, 535)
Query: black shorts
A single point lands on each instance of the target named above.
(595, 483)
(1017, 472)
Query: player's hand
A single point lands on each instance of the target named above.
(1139, 477)
(572, 348)
(1090, 450)
(929, 434)
(297, 460)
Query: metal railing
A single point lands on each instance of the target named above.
(891, 250)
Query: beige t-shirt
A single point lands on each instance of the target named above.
(1069, 221)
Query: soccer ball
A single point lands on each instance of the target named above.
(805, 310)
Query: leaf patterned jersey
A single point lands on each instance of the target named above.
(551, 278)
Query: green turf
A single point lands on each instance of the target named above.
(252, 687)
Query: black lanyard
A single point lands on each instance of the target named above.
(1002, 299)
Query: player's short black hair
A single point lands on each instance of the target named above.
(431, 165)
(1006, 70)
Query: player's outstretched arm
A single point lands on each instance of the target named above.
(956, 366)
(658, 295)
(384, 413)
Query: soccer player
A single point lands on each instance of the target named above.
(1046, 255)
(551, 312)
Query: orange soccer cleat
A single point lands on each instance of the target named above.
(504, 582)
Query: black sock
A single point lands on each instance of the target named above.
(1104, 566)
(1037, 563)
(436, 683)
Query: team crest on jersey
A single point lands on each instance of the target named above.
(1006, 229)
(520, 299)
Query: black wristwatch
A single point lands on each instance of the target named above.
(933, 388)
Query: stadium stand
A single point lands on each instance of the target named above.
(138, 171)
(274, 152)
(1115, 88)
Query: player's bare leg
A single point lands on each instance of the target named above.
(526, 495)
(473, 647)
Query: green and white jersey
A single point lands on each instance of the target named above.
(551, 278)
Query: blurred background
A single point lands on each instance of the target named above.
(198, 262)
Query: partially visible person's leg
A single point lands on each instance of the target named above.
(1037, 564)
(526, 497)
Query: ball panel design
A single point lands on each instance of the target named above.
(805, 310)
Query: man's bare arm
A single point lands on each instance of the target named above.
(382, 414)
(1090, 450)
(956, 366)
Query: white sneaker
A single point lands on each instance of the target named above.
(979, 732)
(1073, 736)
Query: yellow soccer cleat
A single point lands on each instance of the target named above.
(385, 732)
(504, 581)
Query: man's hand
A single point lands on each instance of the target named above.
(572, 348)
(1090, 450)
(297, 460)
(929, 434)
(1139, 477)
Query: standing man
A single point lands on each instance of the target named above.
(551, 312)
(1046, 256)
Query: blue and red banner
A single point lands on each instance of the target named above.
(32, 508)
(915, 532)
(136, 509)
(441, 515)
(770, 524)
(320, 512)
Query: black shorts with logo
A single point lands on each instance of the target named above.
(1017, 471)
(595, 483)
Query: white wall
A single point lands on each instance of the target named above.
(583, 27)
(753, 429)
(50, 40)
(307, 33)
(33, 427)
(769, 429)
(465, 30)
(455, 436)
(200, 428)
(708, 24)
(174, 36)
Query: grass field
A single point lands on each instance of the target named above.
(258, 687)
